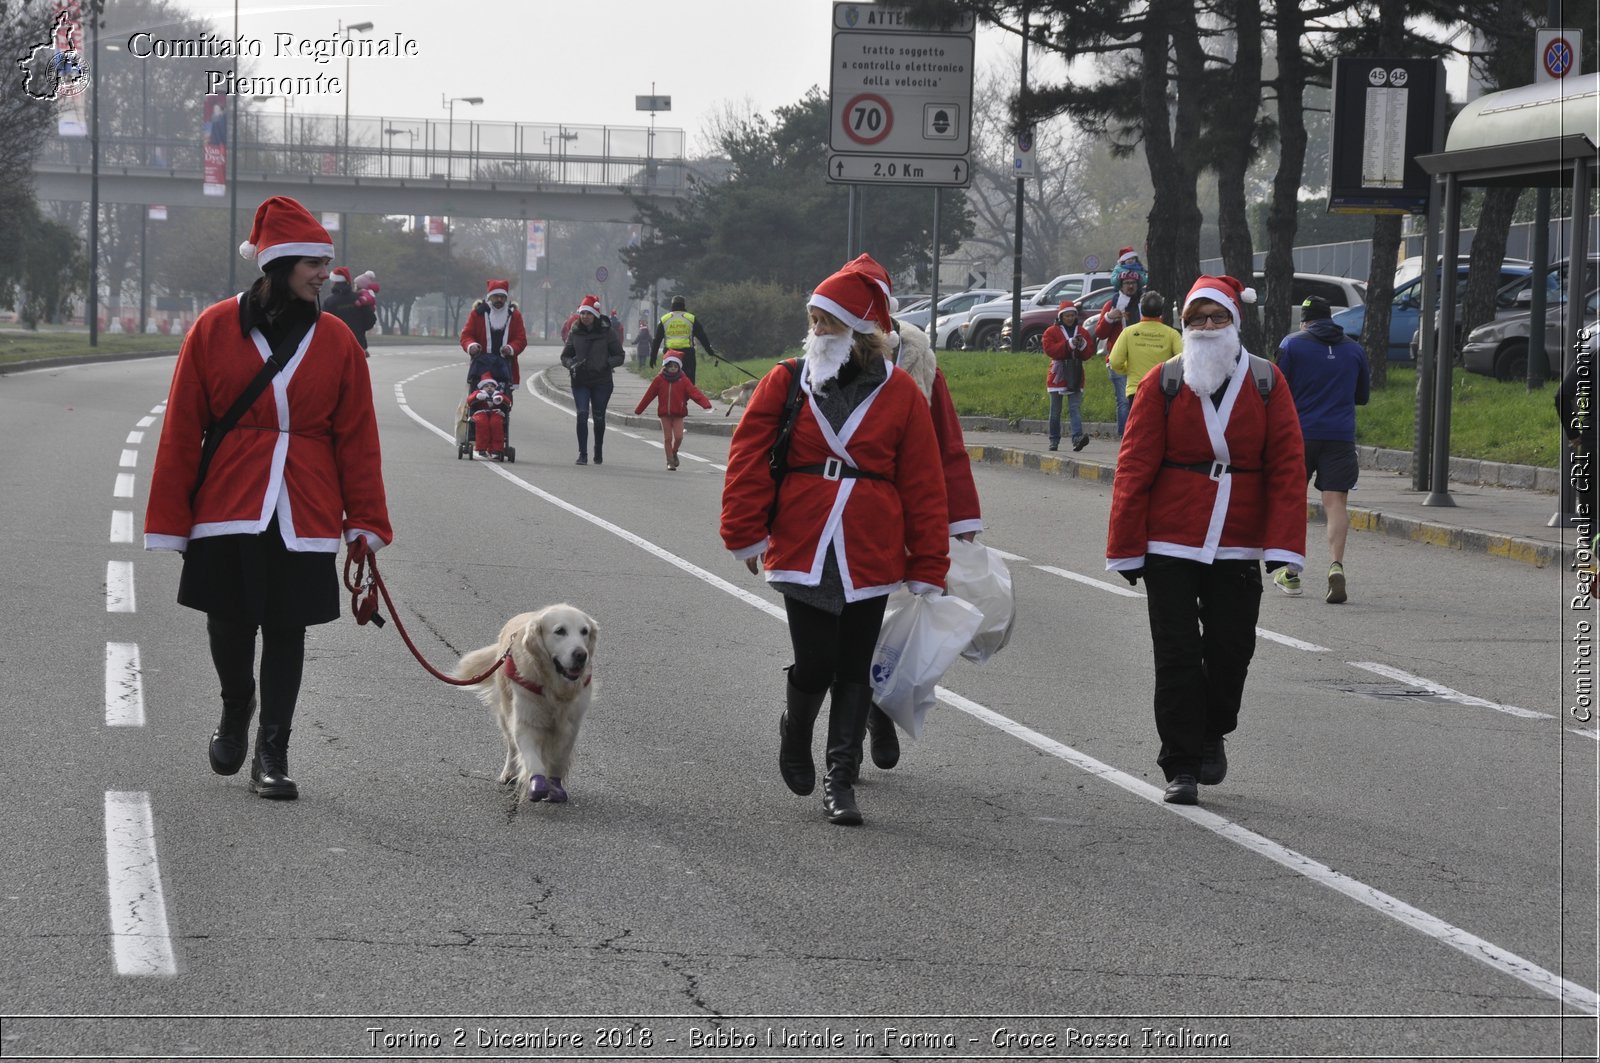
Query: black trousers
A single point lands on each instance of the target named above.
(1203, 628)
(283, 655)
(829, 648)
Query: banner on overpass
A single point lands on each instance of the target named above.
(216, 145)
(435, 229)
(535, 246)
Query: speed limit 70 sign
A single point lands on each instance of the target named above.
(901, 97)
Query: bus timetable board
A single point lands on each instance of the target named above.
(1386, 112)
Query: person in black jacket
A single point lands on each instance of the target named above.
(343, 302)
(592, 351)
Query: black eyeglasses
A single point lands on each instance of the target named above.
(1216, 317)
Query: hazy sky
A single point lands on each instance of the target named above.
(571, 61)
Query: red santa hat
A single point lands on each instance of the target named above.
(590, 305)
(858, 295)
(1066, 304)
(498, 285)
(282, 228)
(342, 273)
(1125, 254)
(1228, 291)
(366, 280)
(672, 358)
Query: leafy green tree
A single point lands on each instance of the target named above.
(776, 219)
(44, 273)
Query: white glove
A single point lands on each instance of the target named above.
(511, 387)
(474, 348)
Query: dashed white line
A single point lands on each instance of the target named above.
(1008, 557)
(1097, 584)
(146, 422)
(1291, 641)
(140, 940)
(124, 488)
(121, 526)
(1442, 691)
(1571, 994)
(135, 438)
(129, 459)
(119, 587)
(124, 685)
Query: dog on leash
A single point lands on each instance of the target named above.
(739, 394)
(539, 695)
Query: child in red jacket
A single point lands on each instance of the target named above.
(672, 392)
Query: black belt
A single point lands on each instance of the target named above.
(1213, 469)
(834, 469)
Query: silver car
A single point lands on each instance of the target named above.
(1500, 348)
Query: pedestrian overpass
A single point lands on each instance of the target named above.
(376, 165)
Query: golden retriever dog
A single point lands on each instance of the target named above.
(539, 695)
(739, 394)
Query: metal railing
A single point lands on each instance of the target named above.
(410, 149)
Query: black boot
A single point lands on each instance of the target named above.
(885, 742)
(269, 771)
(847, 728)
(230, 742)
(794, 737)
(599, 444)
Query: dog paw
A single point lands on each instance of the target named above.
(558, 793)
(539, 789)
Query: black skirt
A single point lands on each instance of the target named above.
(256, 579)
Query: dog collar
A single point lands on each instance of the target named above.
(528, 684)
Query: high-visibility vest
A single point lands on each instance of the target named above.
(679, 326)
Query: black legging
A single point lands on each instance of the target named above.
(283, 655)
(595, 395)
(828, 647)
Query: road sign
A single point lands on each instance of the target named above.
(900, 98)
(898, 170)
(1556, 53)
(601, 274)
(652, 103)
(1022, 162)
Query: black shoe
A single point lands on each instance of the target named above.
(847, 728)
(1182, 791)
(885, 742)
(1214, 761)
(230, 742)
(795, 728)
(1053, 446)
(1079, 443)
(583, 459)
(269, 771)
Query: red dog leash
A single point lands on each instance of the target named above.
(364, 564)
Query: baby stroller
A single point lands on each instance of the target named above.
(483, 424)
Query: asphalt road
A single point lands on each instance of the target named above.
(1402, 861)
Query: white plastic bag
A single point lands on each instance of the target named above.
(920, 639)
(978, 575)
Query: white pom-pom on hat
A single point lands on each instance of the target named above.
(247, 250)
(1248, 295)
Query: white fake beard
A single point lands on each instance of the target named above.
(1209, 358)
(498, 318)
(825, 356)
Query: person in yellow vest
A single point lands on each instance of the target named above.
(1144, 345)
(679, 331)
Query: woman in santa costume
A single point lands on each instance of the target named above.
(495, 325)
(1210, 483)
(859, 511)
(912, 350)
(259, 524)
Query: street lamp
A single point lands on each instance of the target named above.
(450, 145)
(285, 99)
(391, 132)
(344, 219)
(561, 136)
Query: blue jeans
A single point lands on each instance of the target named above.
(586, 397)
(1119, 386)
(1074, 415)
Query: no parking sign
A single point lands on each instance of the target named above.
(1556, 54)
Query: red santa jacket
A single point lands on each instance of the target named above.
(1064, 374)
(476, 330)
(307, 449)
(672, 396)
(1257, 511)
(882, 531)
(915, 355)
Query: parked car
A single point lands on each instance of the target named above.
(982, 329)
(1037, 319)
(1410, 268)
(1516, 297)
(1405, 310)
(1500, 347)
(954, 303)
(1340, 292)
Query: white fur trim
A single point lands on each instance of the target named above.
(1124, 258)
(857, 324)
(916, 356)
(267, 254)
(1217, 295)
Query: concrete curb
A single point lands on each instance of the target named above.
(81, 359)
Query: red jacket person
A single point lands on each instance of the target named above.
(495, 324)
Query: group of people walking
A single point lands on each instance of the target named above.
(847, 476)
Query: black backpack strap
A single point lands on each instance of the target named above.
(1172, 377)
(223, 425)
(778, 456)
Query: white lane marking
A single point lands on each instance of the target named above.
(135, 438)
(119, 587)
(1440, 690)
(1097, 584)
(124, 488)
(121, 526)
(1008, 557)
(146, 422)
(1291, 641)
(1569, 993)
(159, 408)
(570, 412)
(140, 939)
(129, 459)
(124, 685)
(1587, 732)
